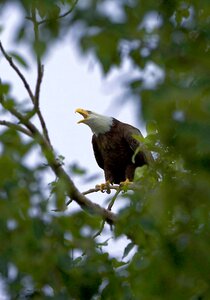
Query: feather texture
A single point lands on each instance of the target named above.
(114, 150)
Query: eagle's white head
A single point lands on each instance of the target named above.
(99, 124)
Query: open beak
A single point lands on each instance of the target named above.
(84, 113)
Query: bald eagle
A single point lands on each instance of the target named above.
(114, 146)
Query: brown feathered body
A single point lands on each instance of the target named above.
(115, 149)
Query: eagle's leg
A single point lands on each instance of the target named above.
(125, 183)
(104, 187)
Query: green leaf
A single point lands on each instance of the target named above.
(77, 170)
(19, 58)
(4, 88)
(9, 103)
(151, 127)
(40, 47)
(128, 249)
(118, 264)
(140, 172)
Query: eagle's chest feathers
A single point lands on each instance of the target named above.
(113, 147)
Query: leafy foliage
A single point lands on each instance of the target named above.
(53, 255)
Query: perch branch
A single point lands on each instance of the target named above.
(97, 189)
(74, 194)
(116, 187)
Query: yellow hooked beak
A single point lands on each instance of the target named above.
(84, 113)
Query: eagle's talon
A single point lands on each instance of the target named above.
(108, 190)
(104, 187)
(125, 183)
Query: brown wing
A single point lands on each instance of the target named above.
(144, 156)
(97, 153)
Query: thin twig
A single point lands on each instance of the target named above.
(24, 120)
(59, 17)
(14, 67)
(113, 199)
(40, 73)
(38, 59)
(15, 127)
(108, 208)
(100, 230)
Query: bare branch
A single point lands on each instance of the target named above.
(40, 73)
(24, 120)
(40, 69)
(74, 193)
(100, 230)
(113, 199)
(14, 67)
(15, 127)
(116, 187)
(28, 89)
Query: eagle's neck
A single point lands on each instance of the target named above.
(101, 125)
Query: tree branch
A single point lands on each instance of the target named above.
(24, 120)
(40, 73)
(34, 99)
(15, 127)
(40, 70)
(73, 193)
(116, 187)
(14, 67)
